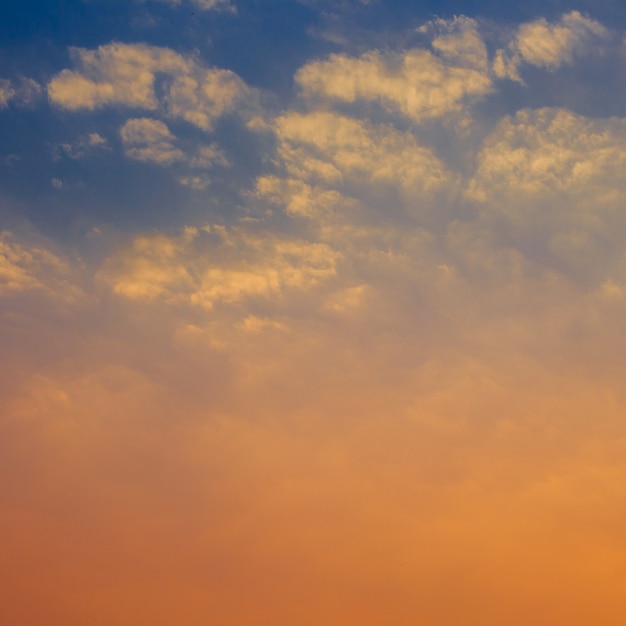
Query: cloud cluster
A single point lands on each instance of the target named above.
(215, 265)
(555, 178)
(165, 83)
(418, 83)
(549, 45)
(146, 139)
(151, 141)
(128, 74)
(337, 150)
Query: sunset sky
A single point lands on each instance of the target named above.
(312, 313)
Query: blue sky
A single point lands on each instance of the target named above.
(265, 44)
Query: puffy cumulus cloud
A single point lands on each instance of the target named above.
(545, 152)
(418, 83)
(114, 74)
(333, 149)
(350, 181)
(556, 178)
(202, 98)
(126, 74)
(458, 42)
(151, 141)
(23, 92)
(549, 45)
(146, 139)
(215, 265)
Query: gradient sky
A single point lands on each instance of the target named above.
(312, 313)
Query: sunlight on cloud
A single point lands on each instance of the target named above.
(547, 45)
(126, 74)
(145, 139)
(542, 152)
(556, 178)
(27, 267)
(151, 141)
(203, 267)
(335, 149)
(417, 83)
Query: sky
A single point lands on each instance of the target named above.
(312, 312)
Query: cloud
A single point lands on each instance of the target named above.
(549, 45)
(6, 92)
(215, 265)
(417, 83)
(26, 267)
(151, 141)
(146, 139)
(204, 5)
(114, 74)
(333, 149)
(202, 98)
(556, 179)
(127, 74)
(23, 92)
(552, 153)
(83, 146)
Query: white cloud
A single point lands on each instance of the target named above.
(549, 45)
(418, 83)
(126, 74)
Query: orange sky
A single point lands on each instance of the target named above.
(389, 390)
